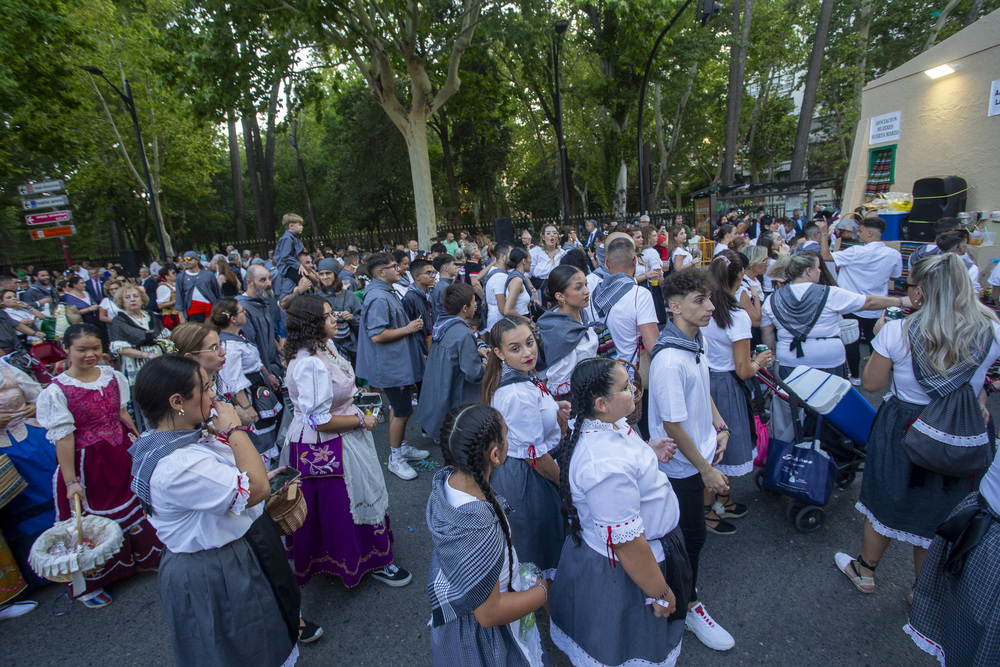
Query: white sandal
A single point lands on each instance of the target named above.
(843, 561)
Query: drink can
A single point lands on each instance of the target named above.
(894, 313)
(760, 348)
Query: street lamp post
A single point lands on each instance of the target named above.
(560, 27)
(706, 10)
(129, 102)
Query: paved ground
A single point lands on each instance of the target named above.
(775, 589)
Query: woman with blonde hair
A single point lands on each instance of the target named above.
(949, 342)
(751, 293)
(134, 334)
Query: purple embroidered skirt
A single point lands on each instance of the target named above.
(329, 541)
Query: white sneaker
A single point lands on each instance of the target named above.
(400, 468)
(411, 453)
(707, 630)
(855, 381)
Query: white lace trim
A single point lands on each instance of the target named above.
(625, 531)
(59, 432)
(107, 374)
(578, 656)
(242, 493)
(949, 438)
(736, 471)
(318, 420)
(292, 657)
(925, 644)
(892, 533)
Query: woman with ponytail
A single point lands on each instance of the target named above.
(723, 236)
(475, 605)
(727, 348)
(528, 480)
(622, 511)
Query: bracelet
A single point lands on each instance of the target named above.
(544, 588)
(361, 421)
(754, 361)
(722, 427)
(75, 481)
(900, 301)
(224, 435)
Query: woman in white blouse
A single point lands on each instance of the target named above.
(224, 583)
(242, 378)
(622, 511)
(545, 257)
(678, 252)
(800, 322)
(346, 532)
(528, 479)
(519, 292)
(565, 330)
(133, 336)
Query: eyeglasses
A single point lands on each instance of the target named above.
(629, 389)
(427, 273)
(394, 267)
(910, 285)
(218, 349)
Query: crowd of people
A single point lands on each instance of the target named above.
(592, 397)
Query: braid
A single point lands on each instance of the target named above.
(491, 496)
(591, 379)
(468, 432)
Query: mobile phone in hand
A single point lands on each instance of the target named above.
(284, 477)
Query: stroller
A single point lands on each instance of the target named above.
(812, 401)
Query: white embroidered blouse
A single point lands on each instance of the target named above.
(618, 489)
(199, 497)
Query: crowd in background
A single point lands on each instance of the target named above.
(595, 390)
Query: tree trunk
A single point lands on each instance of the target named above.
(441, 127)
(239, 212)
(666, 150)
(420, 172)
(251, 140)
(939, 23)
(737, 71)
(798, 171)
(267, 163)
(293, 141)
(618, 207)
(973, 15)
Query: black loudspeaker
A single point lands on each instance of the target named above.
(504, 228)
(933, 199)
(131, 261)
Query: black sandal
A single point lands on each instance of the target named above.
(730, 508)
(721, 526)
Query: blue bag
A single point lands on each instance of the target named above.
(801, 471)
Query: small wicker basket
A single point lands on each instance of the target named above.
(288, 510)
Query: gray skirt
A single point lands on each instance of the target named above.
(958, 617)
(896, 507)
(599, 616)
(731, 402)
(536, 522)
(465, 643)
(221, 609)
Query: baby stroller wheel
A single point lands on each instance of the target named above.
(846, 478)
(809, 518)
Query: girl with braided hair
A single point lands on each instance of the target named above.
(622, 511)
(475, 609)
(529, 479)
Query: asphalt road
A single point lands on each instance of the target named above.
(774, 588)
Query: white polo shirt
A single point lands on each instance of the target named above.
(866, 269)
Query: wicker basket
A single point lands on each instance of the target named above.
(287, 509)
(11, 482)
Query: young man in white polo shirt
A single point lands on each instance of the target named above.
(681, 407)
(863, 269)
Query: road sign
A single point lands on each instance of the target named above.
(52, 232)
(45, 202)
(48, 218)
(41, 186)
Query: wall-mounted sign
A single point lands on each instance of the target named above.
(884, 128)
(994, 108)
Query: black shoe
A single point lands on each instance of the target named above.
(392, 575)
(735, 510)
(309, 632)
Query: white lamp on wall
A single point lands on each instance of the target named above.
(939, 71)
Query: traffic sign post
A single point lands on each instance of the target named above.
(45, 202)
(41, 186)
(48, 218)
(52, 232)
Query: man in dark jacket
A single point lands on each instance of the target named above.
(257, 302)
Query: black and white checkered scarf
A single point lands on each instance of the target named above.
(147, 451)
